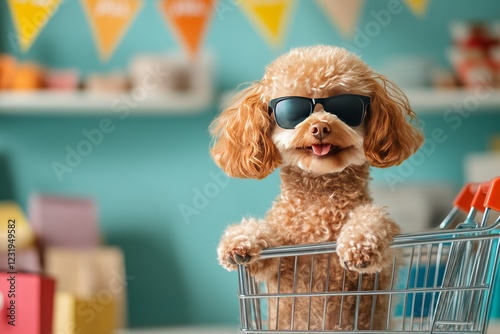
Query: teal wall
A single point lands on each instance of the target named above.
(150, 167)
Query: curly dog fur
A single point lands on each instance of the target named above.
(323, 198)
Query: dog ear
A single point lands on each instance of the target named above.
(242, 144)
(390, 136)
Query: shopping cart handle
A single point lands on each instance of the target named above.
(492, 199)
(463, 201)
(480, 196)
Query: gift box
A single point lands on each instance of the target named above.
(96, 275)
(27, 303)
(73, 315)
(26, 260)
(64, 222)
(15, 232)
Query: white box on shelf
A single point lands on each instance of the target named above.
(481, 167)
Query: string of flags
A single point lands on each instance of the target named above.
(188, 20)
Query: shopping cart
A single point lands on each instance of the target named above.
(441, 281)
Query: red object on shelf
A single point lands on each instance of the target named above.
(479, 38)
(473, 54)
(28, 302)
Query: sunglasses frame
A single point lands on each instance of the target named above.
(314, 101)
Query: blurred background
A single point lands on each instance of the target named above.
(104, 114)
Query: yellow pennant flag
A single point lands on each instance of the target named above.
(418, 7)
(344, 14)
(29, 17)
(271, 17)
(109, 20)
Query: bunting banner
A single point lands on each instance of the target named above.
(344, 14)
(418, 7)
(270, 17)
(29, 18)
(189, 20)
(109, 21)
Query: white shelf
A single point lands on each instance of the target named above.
(439, 100)
(80, 103)
(48, 102)
(426, 100)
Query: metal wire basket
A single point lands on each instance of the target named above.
(440, 282)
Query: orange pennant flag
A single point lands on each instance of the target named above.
(29, 17)
(345, 14)
(189, 20)
(271, 17)
(418, 7)
(109, 20)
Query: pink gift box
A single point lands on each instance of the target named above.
(27, 260)
(64, 222)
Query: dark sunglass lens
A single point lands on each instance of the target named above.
(348, 108)
(292, 111)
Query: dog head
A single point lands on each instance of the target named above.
(249, 143)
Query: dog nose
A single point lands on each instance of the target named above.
(319, 130)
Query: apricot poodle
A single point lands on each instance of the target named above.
(323, 116)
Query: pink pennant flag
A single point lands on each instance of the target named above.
(344, 14)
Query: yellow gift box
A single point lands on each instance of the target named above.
(15, 232)
(73, 315)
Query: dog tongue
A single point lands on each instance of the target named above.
(321, 149)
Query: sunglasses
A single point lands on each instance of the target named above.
(289, 111)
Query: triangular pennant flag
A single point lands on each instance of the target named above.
(271, 17)
(344, 14)
(418, 7)
(109, 20)
(189, 20)
(30, 17)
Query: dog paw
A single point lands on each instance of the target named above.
(363, 244)
(360, 252)
(358, 260)
(238, 259)
(343, 328)
(233, 254)
(241, 244)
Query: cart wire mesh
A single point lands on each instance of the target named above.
(439, 282)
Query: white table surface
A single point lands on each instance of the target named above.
(494, 328)
(183, 330)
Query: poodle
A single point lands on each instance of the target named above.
(323, 117)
